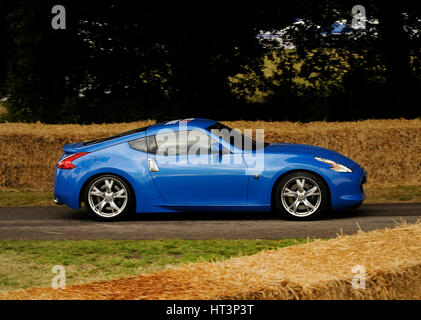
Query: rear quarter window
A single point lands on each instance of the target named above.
(139, 144)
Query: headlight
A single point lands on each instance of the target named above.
(334, 165)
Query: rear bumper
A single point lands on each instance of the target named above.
(66, 188)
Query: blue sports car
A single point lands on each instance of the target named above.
(200, 164)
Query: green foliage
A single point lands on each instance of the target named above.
(127, 60)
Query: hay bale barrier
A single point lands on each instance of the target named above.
(322, 269)
(390, 150)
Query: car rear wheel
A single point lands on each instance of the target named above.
(301, 196)
(108, 198)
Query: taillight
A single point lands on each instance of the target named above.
(66, 163)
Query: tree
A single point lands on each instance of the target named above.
(126, 56)
(361, 73)
(127, 60)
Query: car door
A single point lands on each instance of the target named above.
(185, 171)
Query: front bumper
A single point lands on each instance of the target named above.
(348, 190)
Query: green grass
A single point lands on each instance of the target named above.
(29, 263)
(374, 195)
(394, 194)
(26, 198)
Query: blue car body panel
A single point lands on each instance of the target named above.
(213, 185)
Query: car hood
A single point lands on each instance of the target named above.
(303, 149)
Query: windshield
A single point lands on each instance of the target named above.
(235, 138)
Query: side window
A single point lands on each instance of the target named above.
(147, 144)
(198, 143)
(193, 142)
(139, 144)
(167, 143)
(151, 142)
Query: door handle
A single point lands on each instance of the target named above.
(153, 167)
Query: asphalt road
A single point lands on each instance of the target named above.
(63, 223)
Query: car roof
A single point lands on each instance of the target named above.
(175, 124)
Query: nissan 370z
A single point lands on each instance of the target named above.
(201, 164)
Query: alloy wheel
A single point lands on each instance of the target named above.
(107, 197)
(301, 196)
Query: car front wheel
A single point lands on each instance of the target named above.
(301, 196)
(108, 198)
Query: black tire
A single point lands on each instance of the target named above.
(112, 198)
(303, 199)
